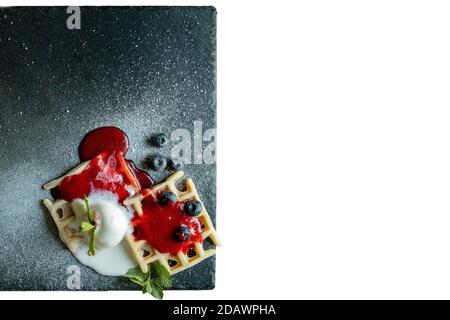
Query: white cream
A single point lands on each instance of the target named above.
(112, 254)
(112, 224)
(115, 261)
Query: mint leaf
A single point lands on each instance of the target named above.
(136, 281)
(92, 244)
(152, 282)
(157, 290)
(89, 226)
(147, 287)
(88, 211)
(86, 226)
(161, 273)
(137, 276)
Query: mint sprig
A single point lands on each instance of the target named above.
(86, 226)
(89, 226)
(90, 214)
(152, 282)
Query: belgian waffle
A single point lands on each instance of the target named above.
(144, 253)
(62, 213)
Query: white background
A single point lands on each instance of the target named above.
(334, 150)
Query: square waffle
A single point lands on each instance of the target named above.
(144, 253)
(63, 216)
(62, 213)
(61, 210)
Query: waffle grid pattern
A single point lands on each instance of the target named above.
(143, 251)
(63, 216)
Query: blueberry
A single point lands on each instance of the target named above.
(182, 233)
(193, 207)
(174, 165)
(166, 197)
(157, 163)
(158, 140)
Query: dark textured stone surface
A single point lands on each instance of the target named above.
(145, 70)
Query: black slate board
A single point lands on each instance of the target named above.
(143, 69)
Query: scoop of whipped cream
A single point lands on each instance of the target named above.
(111, 219)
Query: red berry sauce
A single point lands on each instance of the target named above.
(158, 224)
(108, 170)
(105, 139)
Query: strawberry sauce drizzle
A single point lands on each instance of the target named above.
(108, 170)
(158, 223)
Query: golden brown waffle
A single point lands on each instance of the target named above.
(62, 213)
(145, 254)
